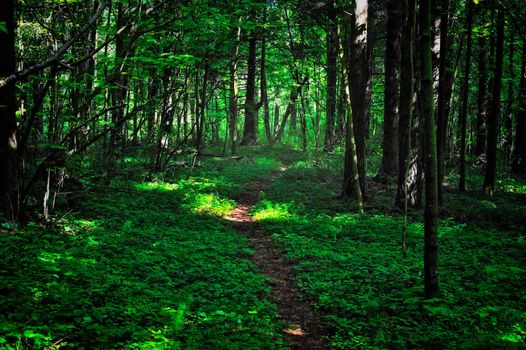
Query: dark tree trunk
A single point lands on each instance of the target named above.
(518, 165)
(264, 94)
(234, 93)
(249, 131)
(493, 117)
(332, 56)
(508, 117)
(119, 81)
(445, 79)
(464, 97)
(200, 125)
(431, 200)
(359, 84)
(291, 108)
(406, 100)
(389, 165)
(351, 176)
(480, 134)
(8, 139)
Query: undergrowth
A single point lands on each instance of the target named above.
(351, 266)
(141, 265)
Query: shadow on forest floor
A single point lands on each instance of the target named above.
(154, 265)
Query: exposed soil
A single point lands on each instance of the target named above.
(303, 329)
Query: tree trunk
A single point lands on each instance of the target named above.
(445, 85)
(508, 117)
(332, 56)
(119, 81)
(389, 165)
(249, 131)
(518, 165)
(464, 97)
(493, 117)
(406, 102)
(480, 134)
(264, 94)
(351, 176)
(359, 84)
(8, 140)
(234, 93)
(200, 125)
(431, 202)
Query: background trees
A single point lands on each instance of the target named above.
(86, 86)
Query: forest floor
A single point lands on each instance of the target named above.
(238, 254)
(302, 329)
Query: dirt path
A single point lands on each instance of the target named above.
(303, 330)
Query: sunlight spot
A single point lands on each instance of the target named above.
(211, 203)
(156, 186)
(267, 210)
(239, 214)
(295, 330)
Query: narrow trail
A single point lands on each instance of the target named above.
(303, 330)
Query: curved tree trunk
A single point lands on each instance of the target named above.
(8, 139)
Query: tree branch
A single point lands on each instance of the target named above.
(56, 56)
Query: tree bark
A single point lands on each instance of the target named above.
(493, 117)
(445, 85)
(518, 165)
(480, 134)
(249, 131)
(351, 176)
(406, 102)
(464, 97)
(359, 83)
(234, 93)
(389, 165)
(8, 127)
(332, 56)
(431, 201)
(263, 93)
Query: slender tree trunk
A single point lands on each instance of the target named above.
(234, 93)
(359, 84)
(249, 131)
(8, 128)
(351, 176)
(444, 94)
(119, 80)
(290, 109)
(332, 56)
(508, 117)
(431, 202)
(518, 165)
(202, 108)
(493, 117)
(406, 101)
(480, 134)
(464, 97)
(264, 94)
(389, 165)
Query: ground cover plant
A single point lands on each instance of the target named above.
(262, 174)
(351, 267)
(149, 266)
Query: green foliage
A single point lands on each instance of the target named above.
(152, 265)
(143, 265)
(352, 269)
